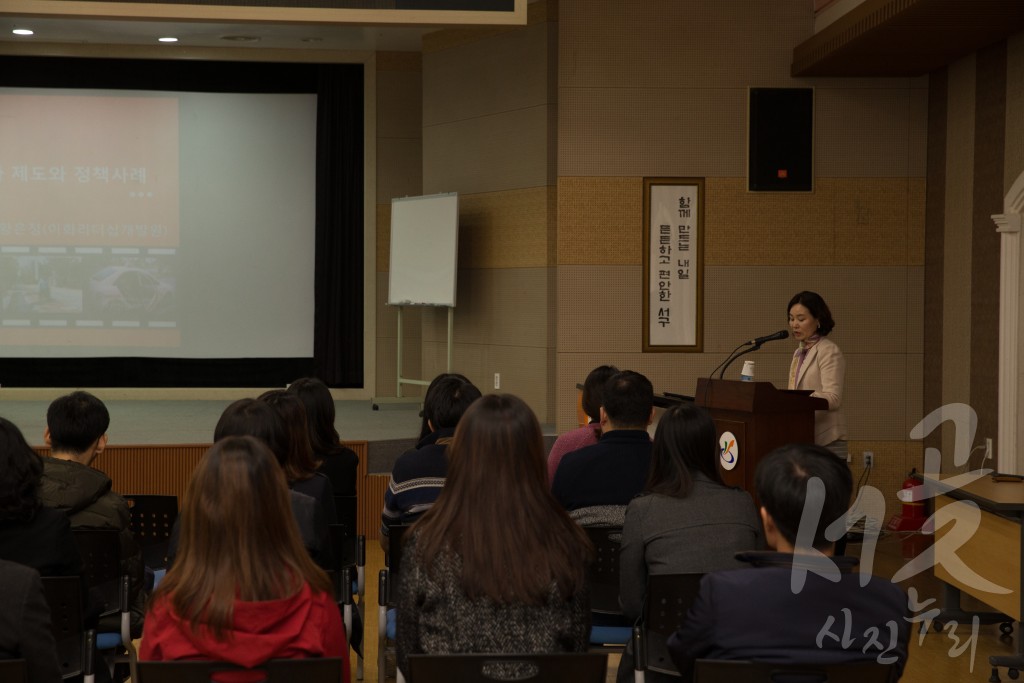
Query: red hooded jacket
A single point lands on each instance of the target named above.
(306, 624)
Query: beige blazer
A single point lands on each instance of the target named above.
(823, 371)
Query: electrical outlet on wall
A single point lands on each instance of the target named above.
(869, 459)
(988, 448)
(497, 380)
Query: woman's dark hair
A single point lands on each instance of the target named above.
(685, 444)
(298, 464)
(20, 471)
(497, 514)
(593, 390)
(813, 302)
(319, 404)
(432, 399)
(249, 417)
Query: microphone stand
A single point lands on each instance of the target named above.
(728, 358)
(755, 347)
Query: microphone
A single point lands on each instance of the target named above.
(781, 334)
(754, 344)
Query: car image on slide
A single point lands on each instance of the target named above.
(123, 290)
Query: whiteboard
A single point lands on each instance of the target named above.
(424, 250)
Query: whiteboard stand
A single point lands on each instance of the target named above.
(423, 267)
(399, 399)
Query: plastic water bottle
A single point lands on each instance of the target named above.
(747, 373)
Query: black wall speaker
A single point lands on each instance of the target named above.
(781, 143)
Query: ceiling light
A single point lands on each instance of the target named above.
(168, 39)
(23, 32)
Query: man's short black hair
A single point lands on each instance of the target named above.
(628, 399)
(447, 400)
(76, 421)
(781, 481)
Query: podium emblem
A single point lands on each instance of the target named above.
(728, 451)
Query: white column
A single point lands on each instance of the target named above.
(1008, 227)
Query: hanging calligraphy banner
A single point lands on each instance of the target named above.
(673, 264)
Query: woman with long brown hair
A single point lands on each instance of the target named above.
(336, 461)
(496, 565)
(242, 589)
(297, 462)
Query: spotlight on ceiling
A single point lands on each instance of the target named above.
(168, 39)
(23, 32)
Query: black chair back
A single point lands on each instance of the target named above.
(319, 670)
(726, 671)
(152, 518)
(343, 539)
(64, 596)
(574, 667)
(603, 573)
(13, 671)
(668, 598)
(101, 565)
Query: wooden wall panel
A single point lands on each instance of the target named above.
(165, 469)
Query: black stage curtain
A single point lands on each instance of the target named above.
(338, 312)
(338, 290)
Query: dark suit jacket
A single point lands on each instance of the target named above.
(25, 631)
(753, 613)
(611, 472)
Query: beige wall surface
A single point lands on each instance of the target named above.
(547, 132)
(663, 91)
(486, 113)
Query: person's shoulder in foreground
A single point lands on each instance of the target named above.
(798, 604)
(25, 631)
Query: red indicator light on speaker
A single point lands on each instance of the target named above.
(783, 173)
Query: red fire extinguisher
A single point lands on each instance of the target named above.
(912, 512)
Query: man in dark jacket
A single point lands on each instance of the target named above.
(76, 431)
(798, 604)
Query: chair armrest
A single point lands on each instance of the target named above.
(639, 655)
(361, 565)
(383, 588)
(89, 643)
(346, 601)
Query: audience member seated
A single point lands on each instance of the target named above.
(334, 460)
(596, 483)
(799, 604)
(30, 534)
(249, 417)
(243, 589)
(419, 474)
(298, 465)
(588, 435)
(687, 521)
(25, 631)
(76, 432)
(495, 565)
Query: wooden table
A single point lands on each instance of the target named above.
(993, 552)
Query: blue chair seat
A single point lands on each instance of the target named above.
(610, 635)
(392, 628)
(108, 640)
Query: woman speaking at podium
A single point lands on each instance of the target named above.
(818, 365)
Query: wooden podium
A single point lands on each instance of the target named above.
(760, 418)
